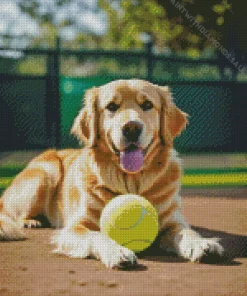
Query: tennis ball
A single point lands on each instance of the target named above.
(131, 221)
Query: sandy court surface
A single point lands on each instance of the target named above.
(30, 268)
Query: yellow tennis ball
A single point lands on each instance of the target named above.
(131, 221)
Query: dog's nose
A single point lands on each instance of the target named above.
(132, 130)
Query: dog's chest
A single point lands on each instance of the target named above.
(132, 184)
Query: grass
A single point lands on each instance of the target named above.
(215, 180)
(214, 177)
(7, 174)
(5, 182)
(10, 171)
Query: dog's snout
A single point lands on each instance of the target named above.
(132, 130)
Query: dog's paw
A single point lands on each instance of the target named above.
(10, 230)
(194, 248)
(72, 245)
(111, 254)
(31, 223)
(93, 244)
(118, 257)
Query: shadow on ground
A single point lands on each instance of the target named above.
(235, 246)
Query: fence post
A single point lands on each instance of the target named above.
(149, 51)
(53, 96)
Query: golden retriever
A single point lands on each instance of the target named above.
(128, 127)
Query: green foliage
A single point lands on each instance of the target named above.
(222, 7)
(164, 22)
(32, 65)
(46, 18)
(130, 20)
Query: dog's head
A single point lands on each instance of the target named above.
(130, 118)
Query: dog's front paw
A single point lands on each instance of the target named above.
(10, 229)
(71, 244)
(32, 223)
(112, 254)
(93, 244)
(118, 257)
(192, 247)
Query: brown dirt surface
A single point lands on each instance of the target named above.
(30, 268)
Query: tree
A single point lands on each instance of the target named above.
(54, 16)
(174, 25)
(167, 22)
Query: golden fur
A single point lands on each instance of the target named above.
(71, 187)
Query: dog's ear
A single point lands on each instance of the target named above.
(85, 126)
(172, 119)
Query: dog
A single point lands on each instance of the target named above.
(128, 128)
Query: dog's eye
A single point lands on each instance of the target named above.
(147, 105)
(112, 107)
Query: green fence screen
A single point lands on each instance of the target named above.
(72, 91)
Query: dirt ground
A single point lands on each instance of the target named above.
(30, 268)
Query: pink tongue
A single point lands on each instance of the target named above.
(132, 161)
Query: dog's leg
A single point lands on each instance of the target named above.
(27, 197)
(82, 238)
(24, 199)
(187, 242)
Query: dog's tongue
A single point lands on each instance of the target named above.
(132, 160)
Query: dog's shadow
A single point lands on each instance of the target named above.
(235, 246)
